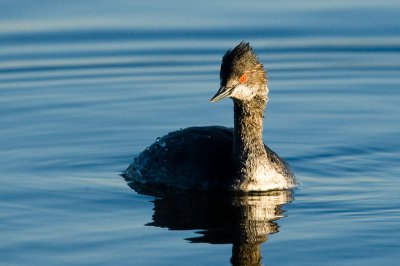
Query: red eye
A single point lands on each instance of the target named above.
(243, 78)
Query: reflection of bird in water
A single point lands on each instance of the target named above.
(219, 158)
(242, 220)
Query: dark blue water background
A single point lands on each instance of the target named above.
(86, 85)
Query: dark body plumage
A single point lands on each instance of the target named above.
(197, 158)
(191, 158)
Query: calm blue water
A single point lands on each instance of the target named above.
(86, 85)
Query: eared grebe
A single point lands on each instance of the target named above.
(219, 158)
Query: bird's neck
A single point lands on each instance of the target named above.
(248, 145)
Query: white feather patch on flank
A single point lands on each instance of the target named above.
(265, 178)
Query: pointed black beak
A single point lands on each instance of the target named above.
(222, 93)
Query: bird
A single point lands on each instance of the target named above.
(217, 158)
